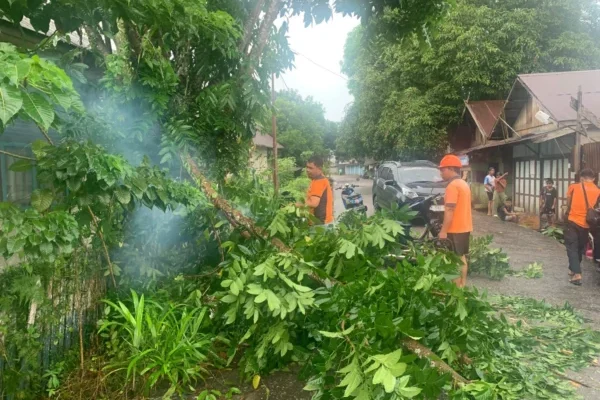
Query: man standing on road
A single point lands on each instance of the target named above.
(458, 222)
(489, 183)
(319, 197)
(499, 190)
(580, 198)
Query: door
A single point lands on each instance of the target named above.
(387, 193)
(379, 189)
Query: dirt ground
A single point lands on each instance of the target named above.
(524, 246)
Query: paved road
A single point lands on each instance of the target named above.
(525, 246)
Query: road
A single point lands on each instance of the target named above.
(524, 246)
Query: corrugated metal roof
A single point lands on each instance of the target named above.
(264, 140)
(76, 40)
(485, 113)
(555, 89)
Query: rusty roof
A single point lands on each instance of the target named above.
(485, 114)
(554, 91)
(264, 140)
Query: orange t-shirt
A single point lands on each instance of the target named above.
(458, 192)
(321, 188)
(578, 209)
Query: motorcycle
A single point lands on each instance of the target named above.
(351, 199)
(431, 211)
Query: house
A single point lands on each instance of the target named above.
(17, 186)
(261, 151)
(532, 137)
(351, 167)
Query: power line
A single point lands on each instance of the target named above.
(320, 66)
(283, 80)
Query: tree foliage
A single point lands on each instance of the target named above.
(302, 129)
(409, 94)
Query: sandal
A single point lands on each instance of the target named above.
(576, 282)
(571, 273)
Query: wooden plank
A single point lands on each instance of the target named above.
(585, 113)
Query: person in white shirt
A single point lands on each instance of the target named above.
(490, 183)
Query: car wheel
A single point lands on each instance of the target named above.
(375, 205)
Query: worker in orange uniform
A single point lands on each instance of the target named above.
(319, 197)
(458, 222)
(580, 198)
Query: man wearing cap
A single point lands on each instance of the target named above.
(458, 222)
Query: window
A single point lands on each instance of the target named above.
(16, 187)
(386, 174)
(419, 174)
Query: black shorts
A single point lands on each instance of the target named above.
(490, 196)
(460, 241)
(548, 211)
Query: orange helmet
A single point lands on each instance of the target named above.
(450, 161)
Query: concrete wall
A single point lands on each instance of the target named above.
(259, 159)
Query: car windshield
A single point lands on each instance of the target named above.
(419, 174)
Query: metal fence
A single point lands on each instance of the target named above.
(69, 312)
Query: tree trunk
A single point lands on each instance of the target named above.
(249, 26)
(96, 40)
(263, 34)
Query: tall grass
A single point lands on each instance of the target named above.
(150, 344)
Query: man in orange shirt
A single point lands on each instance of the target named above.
(580, 197)
(319, 197)
(458, 222)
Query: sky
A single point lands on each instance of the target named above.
(322, 44)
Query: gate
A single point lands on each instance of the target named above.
(530, 176)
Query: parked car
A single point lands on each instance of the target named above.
(405, 183)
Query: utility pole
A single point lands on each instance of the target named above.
(274, 134)
(578, 133)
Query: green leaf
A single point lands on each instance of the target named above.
(23, 67)
(332, 335)
(39, 148)
(21, 166)
(272, 300)
(123, 195)
(385, 377)
(353, 377)
(38, 109)
(229, 299)
(46, 248)
(409, 392)
(42, 199)
(254, 289)
(10, 103)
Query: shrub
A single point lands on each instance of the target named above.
(155, 343)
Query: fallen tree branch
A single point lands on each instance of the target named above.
(17, 156)
(106, 254)
(239, 220)
(436, 362)
(234, 216)
(571, 379)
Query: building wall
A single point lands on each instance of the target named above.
(498, 157)
(259, 159)
(354, 169)
(527, 123)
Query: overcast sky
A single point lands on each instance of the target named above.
(323, 44)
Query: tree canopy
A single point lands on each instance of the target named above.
(409, 93)
(302, 128)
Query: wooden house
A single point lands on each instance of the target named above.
(532, 137)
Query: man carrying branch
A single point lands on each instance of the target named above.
(319, 197)
(499, 190)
